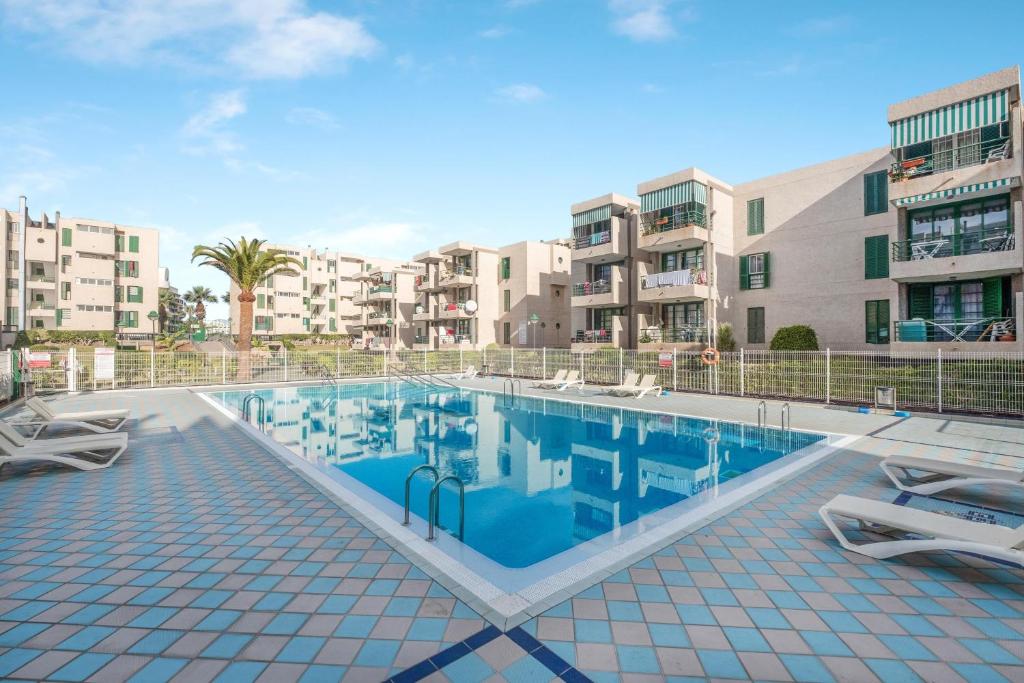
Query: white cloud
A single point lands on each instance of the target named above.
(646, 20)
(651, 89)
(38, 172)
(371, 238)
(822, 26)
(205, 131)
(494, 33)
(521, 92)
(311, 116)
(260, 38)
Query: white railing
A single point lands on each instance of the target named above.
(975, 382)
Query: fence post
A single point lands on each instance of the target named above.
(742, 369)
(224, 366)
(152, 365)
(337, 361)
(675, 373)
(69, 373)
(284, 352)
(461, 368)
(512, 354)
(424, 360)
(544, 363)
(828, 376)
(621, 354)
(939, 354)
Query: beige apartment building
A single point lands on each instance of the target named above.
(471, 296)
(78, 274)
(335, 293)
(910, 247)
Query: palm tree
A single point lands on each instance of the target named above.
(199, 296)
(166, 302)
(247, 264)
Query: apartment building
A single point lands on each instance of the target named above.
(909, 247)
(387, 298)
(174, 308)
(78, 274)
(471, 296)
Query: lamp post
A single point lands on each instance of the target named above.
(153, 317)
(534, 319)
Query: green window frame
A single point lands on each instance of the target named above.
(921, 298)
(331, 305)
(65, 291)
(953, 216)
(506, 333)
(118, 293)
(506, 268)
(507, 306)
(134, 294)
(261, 301)
(332, 325)
(876, 193)
(755, 325)
(755, 216)
(133, 244)
(682, 260)
(119, 242)
(755, 271)
(876, 257)
(305, 263)
(876, 321)
(126, 319)
(305, 323)
(65, 237)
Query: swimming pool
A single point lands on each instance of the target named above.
(548, 482)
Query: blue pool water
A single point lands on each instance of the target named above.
(541, 476)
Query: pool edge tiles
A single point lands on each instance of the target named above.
(518, 601)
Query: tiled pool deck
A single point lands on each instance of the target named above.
(200, 556)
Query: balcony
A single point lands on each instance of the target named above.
(686, 334)
(427, 283)
(380, 292)
(455, 340)
(456, 277)
(426, 315)
(972, 154)
(599, 293)
(601, 247)
(674, 286)
(360, 299)
(684, 230)
(981, 253)
(44, 282)
(978, 165)
(602, 336)
(952, 331)
(454, 311)
(421, 343)
(42, 310)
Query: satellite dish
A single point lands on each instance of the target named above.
(419, 308)
(471, 307)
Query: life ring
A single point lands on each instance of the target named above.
(710, 356)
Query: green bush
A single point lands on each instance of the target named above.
(727, 342)
(795, 338)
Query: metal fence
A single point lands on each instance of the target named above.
(983, 383)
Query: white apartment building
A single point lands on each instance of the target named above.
(78, 274)
(471, 296)
(335, 293)
(910, 247)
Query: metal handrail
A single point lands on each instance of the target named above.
(972, 154)
(592, 240)
(408, 483)
(926, 247)
(591, 288)
(680, 219)
(953, 329)
(435, 507)
(418, 378)
(247, 409)
(510, 384)
(784, 418)
(762, 414)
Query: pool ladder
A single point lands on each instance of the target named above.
(247, 409)
(508, 388)
(434, 502)
(762, 416)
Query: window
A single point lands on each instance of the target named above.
(12, 283)
(876, 193)
(506, 333)
(118, 241)
(755, 271)
(133, 244)
(65, 291)
(305, 263)
(876, 321)
(506, 268)
(65, 237)
(126, 268)
(682, 260)
(755, 325)
(12, 315)
(604, 318)
(126, 319)
(134, 294)
(261, 301)
(331, 304)
(508, 300)
(876, 257)
(119, 293)
(962, 228)
(755, 216)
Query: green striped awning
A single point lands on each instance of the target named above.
(955, 191)
(601, 213)
(690, 191)
(966, 115)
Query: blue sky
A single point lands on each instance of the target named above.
(387, 127)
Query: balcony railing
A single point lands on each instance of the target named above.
(950, 159)
(676, 278)
(42, 278)
(943, 246)
(454, 338)
(377, 315)
(421, 339)
(594, 240)
(456, 272)
(447, 308)
(592, 337)
(992, 329)
(674, 335)
(654, 224)
(591, 288)
(382, 289)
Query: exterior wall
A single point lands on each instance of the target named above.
(539, 285)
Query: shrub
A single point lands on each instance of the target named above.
(726, 342)
(795, 338)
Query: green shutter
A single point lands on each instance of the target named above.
(506, 268)
(261, 300)
(992, 297)
(305, 283)
(744, 273)
(876, 257)
(65, 237)
(920, 298)
(60, 313)
(876, 193)
(305, 323)
(767, 270)
(133, 243)
(333, 325)
(118, 242)
(755, 216)
(305, 263)
(876, 321)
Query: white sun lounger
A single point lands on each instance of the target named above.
(645, 387)
(943, 532)
(84, 452)
(469, 373)
(628, 384)
(93, 420)
(553, 382)
(572, 379)
(925, 476)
